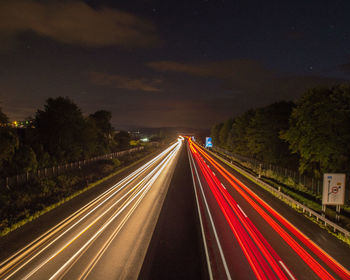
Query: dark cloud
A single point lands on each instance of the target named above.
(248, 80)
(230, 69)
(123, 82)
(75, 23)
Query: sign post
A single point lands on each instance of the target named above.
(208, 142)
(333, 191)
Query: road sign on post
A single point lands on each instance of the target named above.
(333, 189)
(208, 143)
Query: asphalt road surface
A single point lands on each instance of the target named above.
(176, 249)
(106, 238)
(183, 214)
(246, 238)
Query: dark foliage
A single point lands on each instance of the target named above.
(313, 134)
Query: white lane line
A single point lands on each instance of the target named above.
(103, 249)
(242, 211)
(212, 223)
(106, 211)
(43, 237)
(214, 173)
(142, 192)
(287, 270)
(200, 220)
(223, 186)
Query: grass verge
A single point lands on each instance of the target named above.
(298, 197)
(36, 214)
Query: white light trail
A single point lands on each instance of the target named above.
(212, 223)
(108, 193)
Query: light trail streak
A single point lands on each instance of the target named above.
(142, 192)
(100, 200)
(115, 233)
(212, 223)
(264, 264)
(19, 256)
(200, 217)
(96, 219)
(133, 176)
(308, 259)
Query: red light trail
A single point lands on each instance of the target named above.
(263, 259)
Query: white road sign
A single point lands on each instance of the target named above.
(333, 189)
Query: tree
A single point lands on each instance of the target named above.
(24, 160)
(61, 128)
(214, 132)
(263, 133)
(3, 118)
(320, 130)
(8, 144)
(123, 139)
(102, 120)
(224, 133)
(238, 135)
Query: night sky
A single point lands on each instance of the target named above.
(169, 63)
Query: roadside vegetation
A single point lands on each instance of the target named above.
(59, 134)
(307, 138)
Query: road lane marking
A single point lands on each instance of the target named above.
(200, 220)
(242, 211)
(287, 270)
(308, 259)
(212, 223)
(103, 249)
(223, 186)
(43, 263)
(141, 192)
(18, 257)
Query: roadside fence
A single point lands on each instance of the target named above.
(313, 185)
(311, 213)
(61, 169)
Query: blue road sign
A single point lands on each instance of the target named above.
(208, 143)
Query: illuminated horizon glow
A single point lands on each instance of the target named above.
(313, 264)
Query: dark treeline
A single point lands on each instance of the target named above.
(312, 134)
(58, 134)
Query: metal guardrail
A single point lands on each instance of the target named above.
(291, 201)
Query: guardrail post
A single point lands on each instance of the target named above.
(337, 215)
(323, 210)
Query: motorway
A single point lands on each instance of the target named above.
(184, 214)
(105, 239)
(245, 238)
